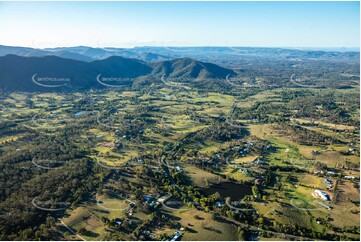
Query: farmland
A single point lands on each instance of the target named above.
(141, 145)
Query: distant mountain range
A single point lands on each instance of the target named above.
(30, 69)
(82, 53)
(150, 54)
(46, 72)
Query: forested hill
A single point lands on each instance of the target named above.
(43, 73)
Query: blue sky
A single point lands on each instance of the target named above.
(127, 24)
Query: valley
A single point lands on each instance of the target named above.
(155, 162)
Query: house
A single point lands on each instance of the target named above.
(153, 203)
(258, 161)
(178, 169)
(244, 171)
(248, 144)
(176, 236)
(325, 206)
(322, 194)
(319, 171)
(219, 204)
(148, 234)
(331, 173)
(148, 198)
(82, 113)
(328, 182)
(258, 181)
(118, 221)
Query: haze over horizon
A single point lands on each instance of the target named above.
(337, 49)
(128, 24)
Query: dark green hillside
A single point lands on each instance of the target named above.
(189, 68)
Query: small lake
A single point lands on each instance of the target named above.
(229, 189)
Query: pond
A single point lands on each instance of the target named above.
(229, 189)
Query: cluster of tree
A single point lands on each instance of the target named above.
(218, 131)
(31, 194)
(306, 136)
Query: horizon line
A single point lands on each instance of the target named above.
(190, 46)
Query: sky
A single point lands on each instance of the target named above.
(128, 24)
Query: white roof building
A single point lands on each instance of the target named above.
(322, 194)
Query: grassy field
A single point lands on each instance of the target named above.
(311, 181)
(89, 214)
(297, 154)
(236, 174)
(345, 212)
(199, 176)
(328, 125)
(203, 227)
(9, 138)
(81, 218)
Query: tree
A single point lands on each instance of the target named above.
(241, 234)
(82, 231)
(50, 221)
